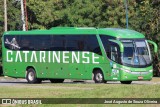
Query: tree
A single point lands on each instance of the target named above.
(43, 14)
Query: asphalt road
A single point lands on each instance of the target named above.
(6, 81)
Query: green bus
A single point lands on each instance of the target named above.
(103, 54)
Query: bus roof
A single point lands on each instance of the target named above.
(55, 30)
(120, 33)
(115, 32)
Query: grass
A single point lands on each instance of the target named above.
(48, 90)
(69, 90)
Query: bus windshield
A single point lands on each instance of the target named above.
(136, 53)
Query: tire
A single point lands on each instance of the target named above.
(31, 76)
(126, 82)
(56, 80)
(98, 76)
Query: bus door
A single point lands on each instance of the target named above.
(114, 56)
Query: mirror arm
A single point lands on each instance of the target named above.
(154, 44)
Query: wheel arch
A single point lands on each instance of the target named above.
(28, 67)
(97, 68)
(35, 78)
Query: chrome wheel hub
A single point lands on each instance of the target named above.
(31, 76)
(99, 77)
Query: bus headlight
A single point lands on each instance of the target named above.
(151, 70)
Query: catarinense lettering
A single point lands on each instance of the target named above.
(52, 57)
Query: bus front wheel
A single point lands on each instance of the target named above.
(31, 76)
(98, 76)
(126, 82)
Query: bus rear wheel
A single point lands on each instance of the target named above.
(98, 76)
(31, 76)
(126, 82)
(56, 80)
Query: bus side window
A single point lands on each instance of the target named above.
(25, 44)
(7, 40)
(71, 42)
(11, 42)
(113, 53)
(92, 44)
(58, 43)
(45, 42)
(80, 45)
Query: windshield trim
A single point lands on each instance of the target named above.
(137, 66)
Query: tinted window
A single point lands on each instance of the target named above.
(75, 43)
(53, 43)
(11, 42)
(41, 42)
(92, 45)
(114, 53)
(57, 43)
(26, 42)
(104, 39)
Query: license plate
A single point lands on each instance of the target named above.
(140, 77)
